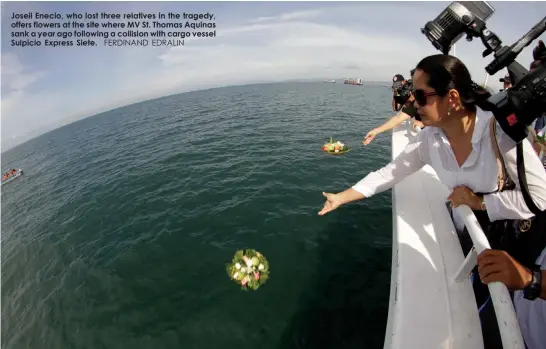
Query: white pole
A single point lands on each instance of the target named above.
(504, 309)
(485, 80)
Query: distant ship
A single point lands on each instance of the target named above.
(351, 81)
(332, 81)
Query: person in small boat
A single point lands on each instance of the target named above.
(457, 143)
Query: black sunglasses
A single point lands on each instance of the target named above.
(421, 96)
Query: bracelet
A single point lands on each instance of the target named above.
(533, 290)
(482, 202)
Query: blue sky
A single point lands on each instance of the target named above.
(44, 88)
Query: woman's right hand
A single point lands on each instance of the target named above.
(369, 137)
(332, 202)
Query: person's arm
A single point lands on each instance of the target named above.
(535, 142)
(499, 266)
(392, 123)
(509, 204)
(543, 285)
(409, 161)
(395, 106)
(349, 195)
(389, 125)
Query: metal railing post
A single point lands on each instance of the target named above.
(504, 309)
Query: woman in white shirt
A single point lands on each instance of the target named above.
(457, 145)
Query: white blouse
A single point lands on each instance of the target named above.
(478, 173)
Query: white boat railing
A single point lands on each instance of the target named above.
(504, 309)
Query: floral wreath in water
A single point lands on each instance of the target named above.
(249, 269)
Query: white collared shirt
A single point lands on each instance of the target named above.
(478, 173)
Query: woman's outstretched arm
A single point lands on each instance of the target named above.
(408, 162)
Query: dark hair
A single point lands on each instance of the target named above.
(447, 72)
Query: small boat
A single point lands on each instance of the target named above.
(18, 173)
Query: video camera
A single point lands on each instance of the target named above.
(403, 92)
(516, 108)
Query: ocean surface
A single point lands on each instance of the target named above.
(118, 233)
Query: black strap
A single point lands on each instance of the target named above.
(523, 180)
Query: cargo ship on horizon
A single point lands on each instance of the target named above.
(351, 81)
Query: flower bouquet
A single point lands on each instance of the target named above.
(335, 147)
(249, 269)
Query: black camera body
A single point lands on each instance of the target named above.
(403, 93)
(516, 108)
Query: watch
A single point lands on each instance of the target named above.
(532, 291)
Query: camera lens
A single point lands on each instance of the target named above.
(466, 19)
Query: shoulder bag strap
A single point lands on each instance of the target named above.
(501, 176)
(523, 181)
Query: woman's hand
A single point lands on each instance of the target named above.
(332, 202)
(538, 147)
(496, 265)
(369, 137)
(417, 123)
(461, 195)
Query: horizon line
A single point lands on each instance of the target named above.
(110, 109)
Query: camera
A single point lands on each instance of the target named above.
(516, 108)
(403, 92)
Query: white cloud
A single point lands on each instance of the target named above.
(295, 45)
(300, 50)
(15, 76)
(291, 15)
(14, 107)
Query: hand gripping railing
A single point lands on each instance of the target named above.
(504, 309)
